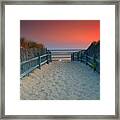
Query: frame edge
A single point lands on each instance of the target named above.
(2, 99)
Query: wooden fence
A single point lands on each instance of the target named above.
(29, 65)
(93, 62)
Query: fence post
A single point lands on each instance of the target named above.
(81, 56)
(72, 56)
(50, 57)
(47, 57)
(94, 63)
(77, 56)
(39, 62)
(86, 58)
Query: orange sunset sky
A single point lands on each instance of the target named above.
(61, 33)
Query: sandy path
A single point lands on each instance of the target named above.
(61, 81)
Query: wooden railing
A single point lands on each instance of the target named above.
(93, 62)
(27, 66)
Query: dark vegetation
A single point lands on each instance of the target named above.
(24, 43)
(93, 50)
(30, 49)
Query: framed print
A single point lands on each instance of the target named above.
(59, 59)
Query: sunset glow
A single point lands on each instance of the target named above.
(61, 33)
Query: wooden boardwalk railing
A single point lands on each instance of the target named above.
(29, 65)
(93, 62)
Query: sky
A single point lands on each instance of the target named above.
(61, 34)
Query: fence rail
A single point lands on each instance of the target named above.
(93, 62)
(29, 65)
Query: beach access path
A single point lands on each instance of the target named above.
(61, 80)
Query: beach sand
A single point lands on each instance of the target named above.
(61, 80)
